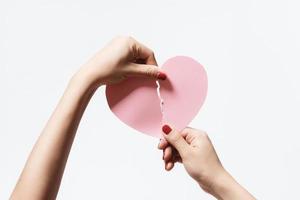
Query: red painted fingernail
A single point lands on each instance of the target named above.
(162, 76)
(166, 129)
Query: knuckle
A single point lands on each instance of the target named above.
(203, 134)
(129, 40)
(119, 38)
(188, 129)
(124, 39)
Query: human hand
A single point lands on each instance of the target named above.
(195, 151)
(121, 58)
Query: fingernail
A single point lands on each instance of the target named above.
(162, 76)
(166, 129)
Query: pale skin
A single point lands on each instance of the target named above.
(121, 58)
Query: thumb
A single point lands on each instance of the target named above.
(150, 71)
(176, 140)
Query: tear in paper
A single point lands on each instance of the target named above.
(161, 102)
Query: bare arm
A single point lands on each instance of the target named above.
(42, 174)
(43, 171)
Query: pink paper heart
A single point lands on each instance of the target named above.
(136, 103)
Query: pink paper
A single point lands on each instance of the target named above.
(136, 103)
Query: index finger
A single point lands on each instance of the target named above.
(140, 51)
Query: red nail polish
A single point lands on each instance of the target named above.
(162, 76)
(166, 129)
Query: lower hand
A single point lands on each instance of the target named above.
(195, 151)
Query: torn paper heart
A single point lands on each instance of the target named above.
(136, 100)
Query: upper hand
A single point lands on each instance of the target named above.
(119, 59)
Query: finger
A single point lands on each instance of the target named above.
(150, 71)
(176, 157)
(176, 140)
(169, 165)
(193, 136)
(189, 134)
(175, 152)
(167, 156)
(162, 144)
(140, 51)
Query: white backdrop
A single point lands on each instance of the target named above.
(250, 50)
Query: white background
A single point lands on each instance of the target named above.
(250, 50)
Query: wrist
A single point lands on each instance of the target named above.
(226, 187)
(86, 79)
(222, 184)
(82, 84)
(218, 183)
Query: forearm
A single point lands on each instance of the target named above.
(44, 168)
(226, 188)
